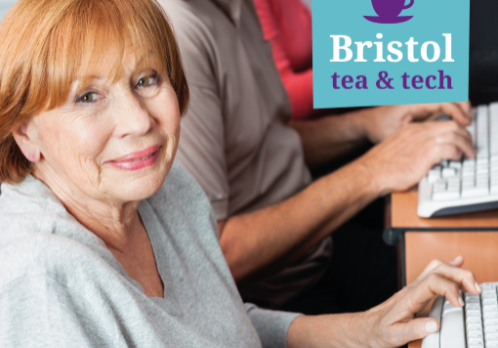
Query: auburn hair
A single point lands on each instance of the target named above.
(45, 45)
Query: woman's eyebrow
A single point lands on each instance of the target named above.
(87, 78)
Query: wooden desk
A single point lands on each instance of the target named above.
(403, 214)
(418, 248)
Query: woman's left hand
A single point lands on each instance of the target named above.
(392, 323)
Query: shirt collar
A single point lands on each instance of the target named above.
(231, 7)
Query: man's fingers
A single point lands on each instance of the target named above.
(459, 112)
(459, 142)
(416, 329)
(466, 107)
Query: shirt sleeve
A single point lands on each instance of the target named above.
(202, 148)
(202, 141)
(271, 326)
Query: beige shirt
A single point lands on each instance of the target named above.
(235, 139)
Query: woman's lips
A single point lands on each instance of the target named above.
(137, 160)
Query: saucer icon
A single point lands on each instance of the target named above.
(382, 20)
(388, 11)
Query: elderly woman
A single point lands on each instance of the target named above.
(104, 240)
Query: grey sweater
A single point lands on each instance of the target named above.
(61, 287)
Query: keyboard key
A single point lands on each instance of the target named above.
(490, 329)
(468, 180)
(475, 341)
(448, 172)
(434, 175)
(471, 306)
(482, 179)
(455, 164)
(482, 171)
(473, 320)
(472, 162)
(446, 195)
(474, 334)
(469, 295)
(488, 293)
(470, 300)
(473, 313)
(474, 192)
(490, 314)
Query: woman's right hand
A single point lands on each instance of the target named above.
(392, 323)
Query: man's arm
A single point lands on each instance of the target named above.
(392, 323)
(254, 240)
(327, 138)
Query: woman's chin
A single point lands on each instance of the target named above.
(131, 186)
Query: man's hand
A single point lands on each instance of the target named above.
(384, 121)
(403, 159)
(393, 323)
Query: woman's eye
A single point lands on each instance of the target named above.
(88, 97)
(146, 81)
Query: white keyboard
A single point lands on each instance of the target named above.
(454, 187)
(473, 326)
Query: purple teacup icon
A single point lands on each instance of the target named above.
(389, 10)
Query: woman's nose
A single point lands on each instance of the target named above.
(132, 118)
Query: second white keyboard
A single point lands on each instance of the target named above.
(454, 187)
(473, 326)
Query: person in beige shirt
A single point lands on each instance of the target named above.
(252, 162)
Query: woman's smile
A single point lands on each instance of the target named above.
(137, 160)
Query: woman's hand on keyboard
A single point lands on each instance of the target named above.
(392, 323)
(384, 121)
(402, 160)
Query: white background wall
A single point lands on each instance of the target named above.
(4, 7)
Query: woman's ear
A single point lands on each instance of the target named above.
(26, 138)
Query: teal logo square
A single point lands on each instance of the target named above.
(388, 52)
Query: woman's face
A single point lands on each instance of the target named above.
(111, 141)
